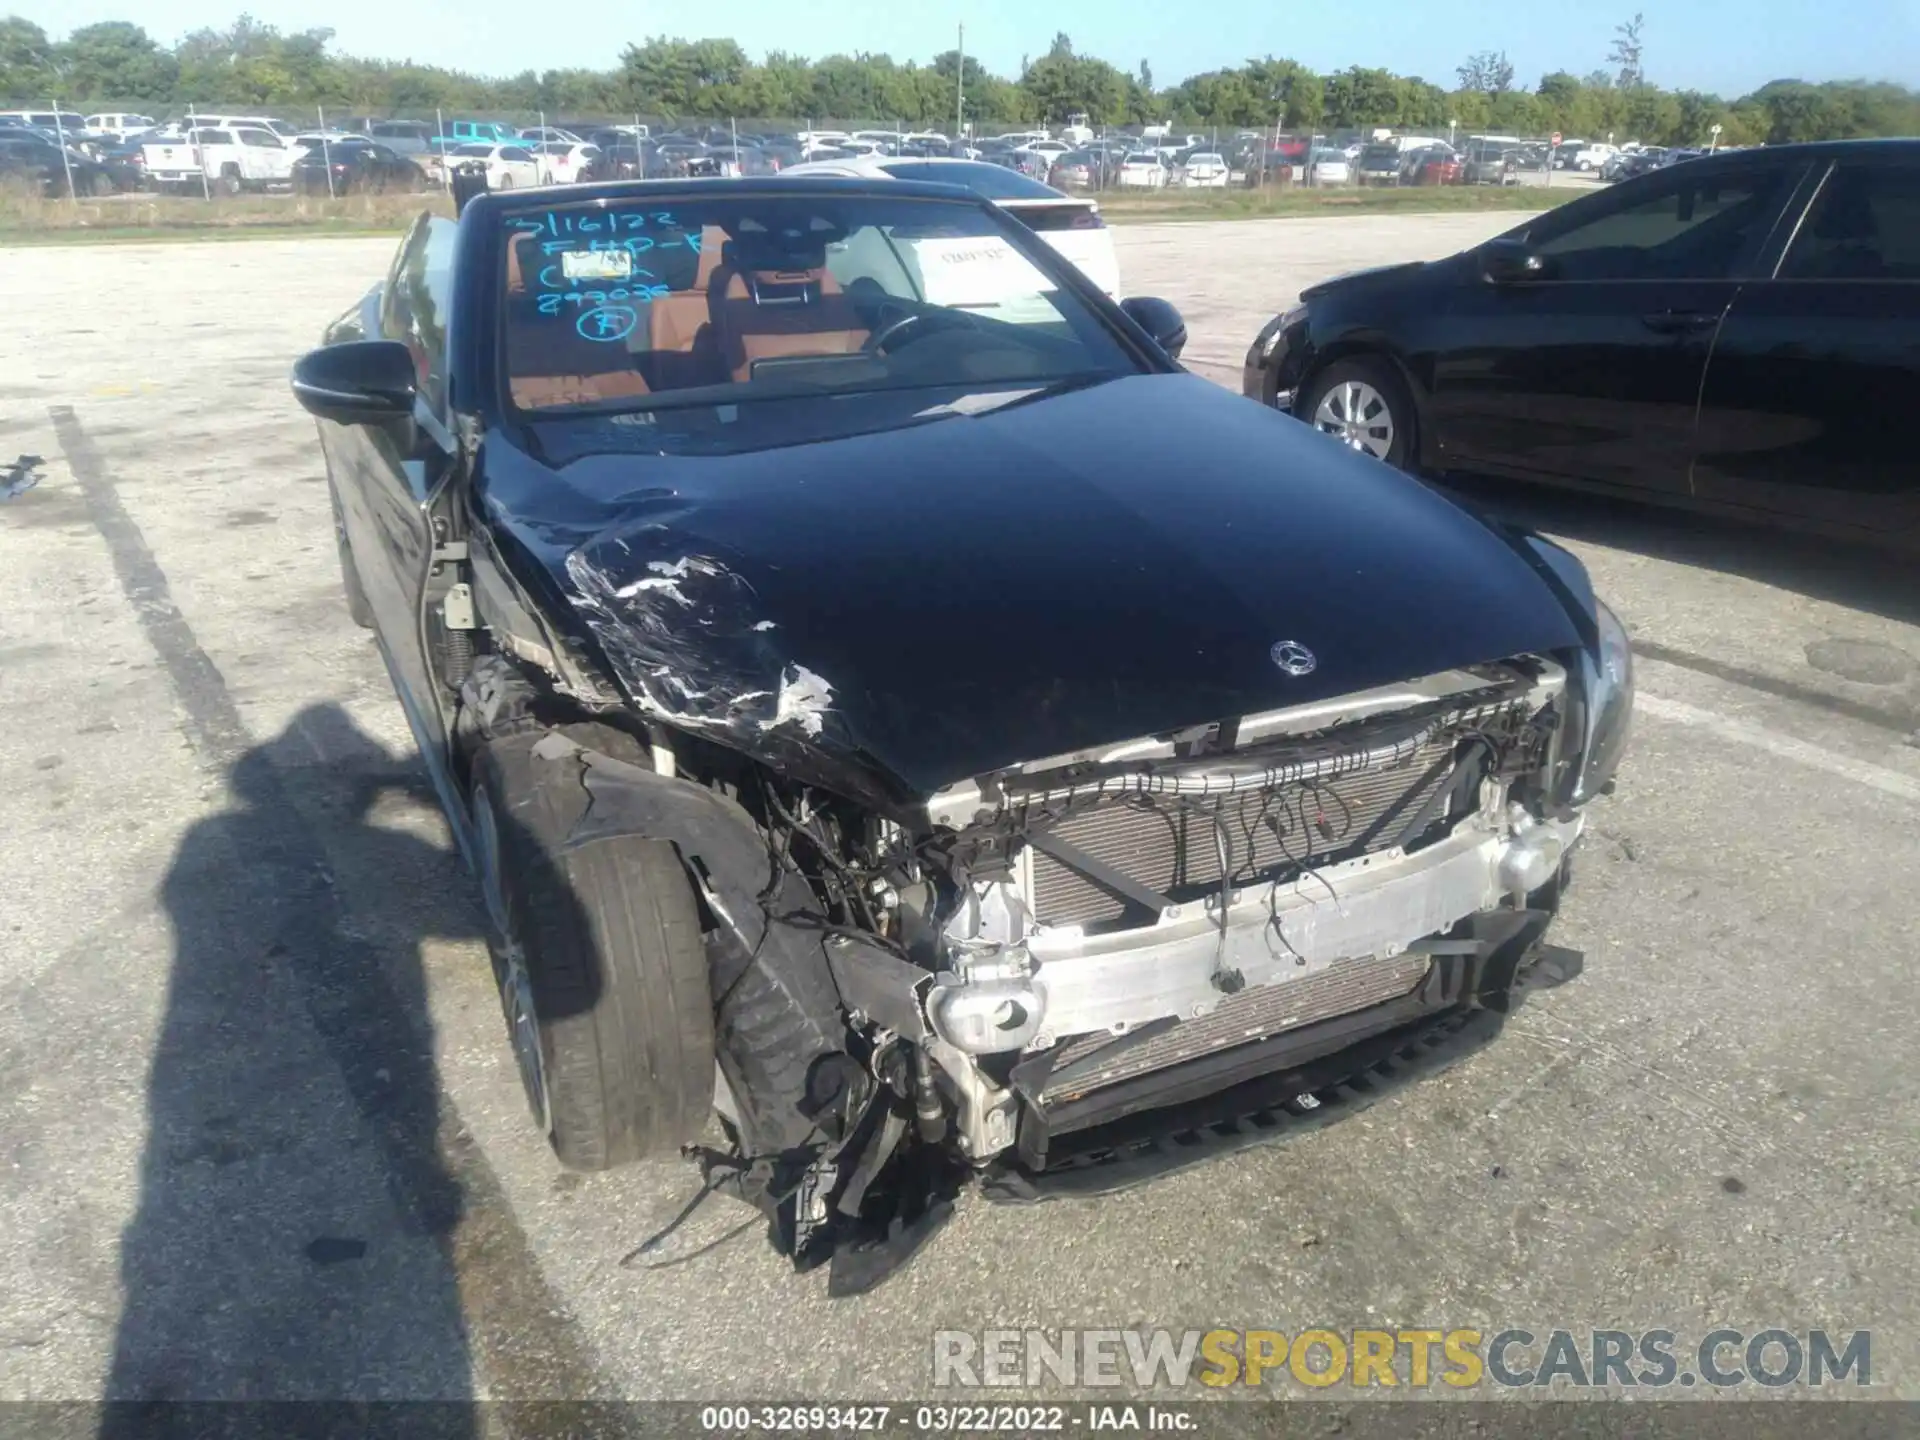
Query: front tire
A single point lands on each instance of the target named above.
(601, 963)
(1364, 404)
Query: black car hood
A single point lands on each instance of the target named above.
(1359, 279)
(890, 613)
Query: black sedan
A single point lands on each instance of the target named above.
(1740, 332)
(355, 167)
(830, 676)
(28, 159)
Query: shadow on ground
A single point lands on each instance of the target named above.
(292, 1239)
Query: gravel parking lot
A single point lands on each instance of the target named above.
(237, 1165)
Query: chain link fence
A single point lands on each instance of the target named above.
(221, 154)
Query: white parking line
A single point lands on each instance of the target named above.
(1743, 732)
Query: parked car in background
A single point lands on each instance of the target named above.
(61, 122)
(477, 132)
(125, 162)
(1204, 170)
(1071, 224)
(1591, 157)
(1432, 165)
(234, 121)
(1075, 170)
(1563, 153)
(563, 163)
(1329, 167)
(1143, 170)
(1381, 164)
(226, 161)
(549, 135)
(626, 161)
(508, 167)
(404, 137)
(1735, 333)
(117, 125)
(1489, 163)
(1628, 164)
(321, 139)
(28, 158)
(356, 166)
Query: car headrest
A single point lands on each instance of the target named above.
(762, 250)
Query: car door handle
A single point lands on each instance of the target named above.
(1680, 322)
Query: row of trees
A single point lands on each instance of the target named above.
(117, 64)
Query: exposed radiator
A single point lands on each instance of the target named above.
(1340, 989)
(1172, 845)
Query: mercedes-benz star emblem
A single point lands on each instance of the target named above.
(1293, 657)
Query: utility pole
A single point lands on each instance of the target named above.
(960, 88)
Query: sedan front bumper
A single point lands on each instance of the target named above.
(1184, 965)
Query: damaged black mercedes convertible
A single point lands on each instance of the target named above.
(890, 703)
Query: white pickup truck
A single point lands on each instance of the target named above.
(224, 160)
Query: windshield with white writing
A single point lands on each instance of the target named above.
(864, 308)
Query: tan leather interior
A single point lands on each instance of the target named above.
(563, 367)
(762, 314)
(677, 325)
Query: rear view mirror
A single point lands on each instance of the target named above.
(1160, 320)
(1508, 262)
(363, 382)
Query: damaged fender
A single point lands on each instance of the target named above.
(779, 1022)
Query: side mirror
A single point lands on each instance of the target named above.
(363, 382)
(1160, 320)
(1508, 262)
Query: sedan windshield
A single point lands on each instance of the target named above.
(778, 315)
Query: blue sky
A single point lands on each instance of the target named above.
(1729, 46)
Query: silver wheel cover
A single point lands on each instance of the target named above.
(1356, 414)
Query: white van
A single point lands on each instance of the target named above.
(117, 125)
(63, 122)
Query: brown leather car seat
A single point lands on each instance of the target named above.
(553, 363)
(678, 331)
(768, 300)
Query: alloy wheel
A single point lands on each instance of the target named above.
(1356, 414)
(510, 965)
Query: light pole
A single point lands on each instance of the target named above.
(1713, 143)
(1452, 126)
(960, 88)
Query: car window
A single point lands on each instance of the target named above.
(1865, 225)
(259, 137)
(1685, 226)
(722, 302)
(414, 308)
(481, 152)
(212, 137)
(515, 152)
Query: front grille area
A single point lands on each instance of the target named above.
(1340, 989)
(1172, 845)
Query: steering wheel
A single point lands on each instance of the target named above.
(881, 338)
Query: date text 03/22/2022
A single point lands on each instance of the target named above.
(944, 1419)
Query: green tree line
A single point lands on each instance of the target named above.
(118, 64)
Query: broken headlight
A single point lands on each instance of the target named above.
(1607, 680)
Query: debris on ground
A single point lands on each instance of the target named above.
(21, 476)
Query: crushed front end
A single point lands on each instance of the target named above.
(1144, 934)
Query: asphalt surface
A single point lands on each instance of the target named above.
(260, 1134)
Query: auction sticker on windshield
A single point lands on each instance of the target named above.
(982, 273)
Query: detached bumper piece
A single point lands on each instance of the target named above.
(1100, 1118)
